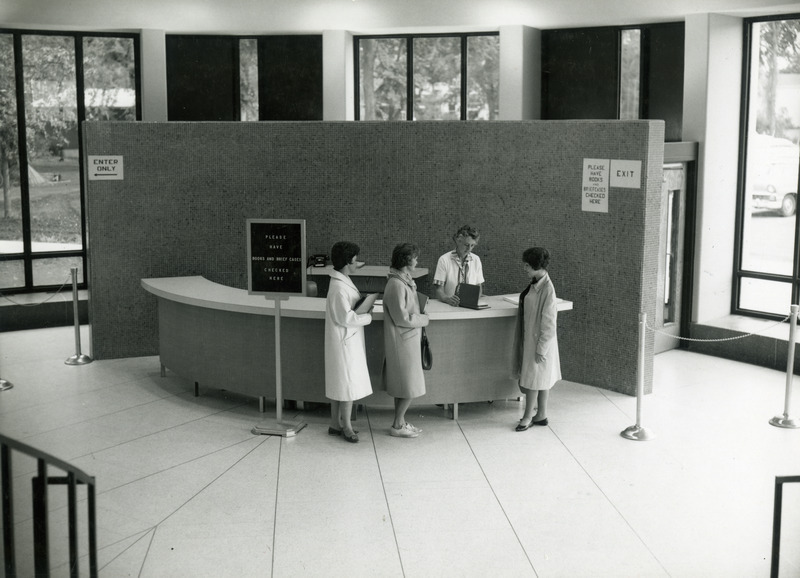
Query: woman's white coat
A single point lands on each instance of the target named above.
(346, 372)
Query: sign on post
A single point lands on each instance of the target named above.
(276, 268)
(276, 257)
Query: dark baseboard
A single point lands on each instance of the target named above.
(18, 317)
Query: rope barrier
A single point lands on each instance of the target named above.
(4, 384)
(735, 337)
(638, 432)
(57, 292)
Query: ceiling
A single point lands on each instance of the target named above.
(361, 16)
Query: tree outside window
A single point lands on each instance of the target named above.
(452, 77)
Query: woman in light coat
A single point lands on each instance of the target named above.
(346, 373)
(402, 334)
(536, 362)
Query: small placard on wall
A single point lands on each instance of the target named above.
(105, 168)
(626, 174)
(595, 185)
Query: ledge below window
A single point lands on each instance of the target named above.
(747, 339)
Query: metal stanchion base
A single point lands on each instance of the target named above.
(78, 360)
(785, 421)
(4, 385)
(637, 433)
(278, 428)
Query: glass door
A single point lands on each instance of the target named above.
(671, 259)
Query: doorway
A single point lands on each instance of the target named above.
(671, 262)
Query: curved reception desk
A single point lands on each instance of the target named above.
(222, 337)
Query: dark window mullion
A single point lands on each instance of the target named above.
(236, 56)
(463, 77)
(80, 95)
(357, 78)
(644, 71)
(409, 78)
(22, 160)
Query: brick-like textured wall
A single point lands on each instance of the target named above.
(188, 189)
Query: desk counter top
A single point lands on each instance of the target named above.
(199, 291)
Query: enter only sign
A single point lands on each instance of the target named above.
(105, 167)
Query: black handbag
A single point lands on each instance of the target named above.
(427, 354)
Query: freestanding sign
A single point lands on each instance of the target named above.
(276, 268)
(276, 257)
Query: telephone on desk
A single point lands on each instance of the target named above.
(318, 260)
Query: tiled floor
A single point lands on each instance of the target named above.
(185, 489)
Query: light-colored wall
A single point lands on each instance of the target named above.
(360, 16)
(712, 92)
(154, 75)
(337, 75)
(520, 73)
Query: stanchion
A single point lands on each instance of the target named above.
(785, 420)
(637, 432)
(78, 358)
(278, 427)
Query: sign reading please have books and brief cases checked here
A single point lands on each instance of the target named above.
(276, 257)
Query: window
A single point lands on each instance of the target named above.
(766, 277)
(616, 73)
(428, 77)
(630, 63)
(248, 79)
(50, 83)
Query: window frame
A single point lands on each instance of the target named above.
(409, 38)
(739, 273)
(27, 256)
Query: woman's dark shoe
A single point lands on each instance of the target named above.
(332, 431)
(522, 427)
(353, 439)
(540, 422)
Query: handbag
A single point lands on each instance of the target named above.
(427, 354)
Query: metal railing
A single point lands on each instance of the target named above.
(776, 521)
(40, 482)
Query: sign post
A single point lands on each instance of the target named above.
(276, 257)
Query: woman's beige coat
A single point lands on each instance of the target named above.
(536, 333)
(402, 334)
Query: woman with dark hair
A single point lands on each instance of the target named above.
(402, 323)
(536, 362)
(346, 373)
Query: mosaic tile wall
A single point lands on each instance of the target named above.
(189, 187)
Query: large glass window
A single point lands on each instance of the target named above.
(428, 77)
(767, 276)
(11, 272)
(56, 80)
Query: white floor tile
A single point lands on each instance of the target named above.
(185, 489)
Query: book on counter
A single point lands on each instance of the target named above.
(470, 296)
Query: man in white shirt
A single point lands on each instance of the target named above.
(458, 266)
